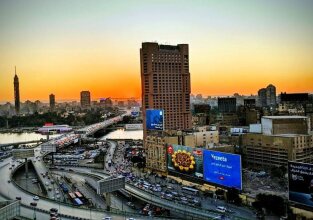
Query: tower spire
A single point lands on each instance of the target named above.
(15, 69)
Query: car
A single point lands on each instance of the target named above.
(130, 204)
(18, 198)
(130, 219)
(107, 218)
(53, 210)
(36, 198)
(33, 204)
(9, 181)
(53, 214)
(221, 209)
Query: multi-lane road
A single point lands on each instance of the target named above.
(10, 191)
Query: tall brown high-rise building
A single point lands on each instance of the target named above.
(165, 83)
(85, 99)
(16, 93)
(52, 102)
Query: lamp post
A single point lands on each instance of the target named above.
(34, 215)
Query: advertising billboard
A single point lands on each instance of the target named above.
(110, 184)
(23, 153)
(301, 183)
(222, 168)
(49, 147)
(185, 160)
(155, 119)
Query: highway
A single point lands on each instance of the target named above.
(10, 191)
(148, 197)
(110, 154)
(47, 183)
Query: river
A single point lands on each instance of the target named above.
(124, 134)
(20, 137)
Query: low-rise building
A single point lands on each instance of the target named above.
(204, 137)
(155, 147)
(283, 139)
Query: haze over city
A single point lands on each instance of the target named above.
(140, 110)
(64, 47)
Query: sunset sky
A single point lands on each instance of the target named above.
(64, 47)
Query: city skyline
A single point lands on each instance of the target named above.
(64, 48)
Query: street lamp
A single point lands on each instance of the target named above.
(34, 215)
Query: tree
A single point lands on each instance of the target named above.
(233, 196)
(219, 192)
(278, 172)
(272, 203)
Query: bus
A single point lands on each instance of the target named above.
(72, 196)
(64, 188)
(78, 202)
(190, 191)
(80, 196)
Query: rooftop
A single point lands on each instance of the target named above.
(285, 117)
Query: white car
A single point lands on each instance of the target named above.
(35, 198)
(107, 218)
(221, 209)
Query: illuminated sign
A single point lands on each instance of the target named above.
(301, 183)
(222, 168)
(185, 160)
(23, 153)
(155, 119)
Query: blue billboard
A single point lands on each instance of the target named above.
(222, 168)
(154, 119)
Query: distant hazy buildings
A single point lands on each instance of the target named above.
(52, 102)
(262, 97)
(16, 93)
(85, 99)
(249, 103)
(226, 105)
(106, 102)
(271, 95)
(267, 96)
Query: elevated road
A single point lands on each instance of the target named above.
(19, 143)
(188, 211)
(11, 191)
(83, 133)
(91, 129)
